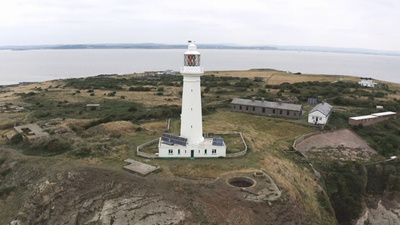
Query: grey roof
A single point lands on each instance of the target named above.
(267, 104)
(323, 108)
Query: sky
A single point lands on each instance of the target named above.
(369, 24)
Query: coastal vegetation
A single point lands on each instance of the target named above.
(134, 109)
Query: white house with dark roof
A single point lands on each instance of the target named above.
(320, 113)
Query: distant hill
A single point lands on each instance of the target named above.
(201, 46)
(132, 46)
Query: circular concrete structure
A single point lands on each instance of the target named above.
(241, 182)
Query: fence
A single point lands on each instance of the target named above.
(229, 155)
(146, 155)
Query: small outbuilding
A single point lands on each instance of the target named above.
(320, 113)
(372, 119)
(92, 107)
(367, 82)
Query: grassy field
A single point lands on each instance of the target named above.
(129, 118)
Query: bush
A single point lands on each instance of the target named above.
(139, 88)
(111, 94)
(16, 139)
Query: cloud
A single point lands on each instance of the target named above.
(340, 23)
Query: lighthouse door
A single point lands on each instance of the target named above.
(192, 153)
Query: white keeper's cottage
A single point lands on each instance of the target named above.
(320, 113)
(367, 82)
(191, 143)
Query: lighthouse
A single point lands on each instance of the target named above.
(191, 117)
(190, 143)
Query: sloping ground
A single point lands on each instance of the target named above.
(341, 144)
(114, 129)
(62, 191)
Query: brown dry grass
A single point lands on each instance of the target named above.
(115, 129)
(158, 126)
(6, 118)
(297, 182)
(278, 77)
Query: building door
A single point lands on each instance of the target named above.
(192, 153)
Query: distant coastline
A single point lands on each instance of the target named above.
(200, 46)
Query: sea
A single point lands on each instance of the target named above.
(43, 65)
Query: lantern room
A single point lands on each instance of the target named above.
(192, 56)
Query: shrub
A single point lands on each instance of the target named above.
(139, 88)
(16, 139)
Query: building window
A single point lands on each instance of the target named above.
(214, 151)
(170, 151)
(179, 151)
(234, 106)
(205, 151)
(280, 112)
(294, 114)
(240, 107)
(287, 113)
(247, 108)
(254, 108)
(273, 111)
(263, 110)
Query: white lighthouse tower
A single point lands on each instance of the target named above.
(190, 142)
(191, 117)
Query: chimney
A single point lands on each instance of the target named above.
(253, 99)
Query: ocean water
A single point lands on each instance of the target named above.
(42, 65)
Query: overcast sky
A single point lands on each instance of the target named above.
(371, 24)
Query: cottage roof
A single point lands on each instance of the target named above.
(363, 117)
(384, 113)
(92, 105)
(267, 104)
(323, 108)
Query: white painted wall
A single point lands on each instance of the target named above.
(186, 151)
(322, 119)
(367, 83)
(191, 117)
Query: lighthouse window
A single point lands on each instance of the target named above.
(214, 151)
(205, 151)
(170, 152)
(192, 60)
(179, 151)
